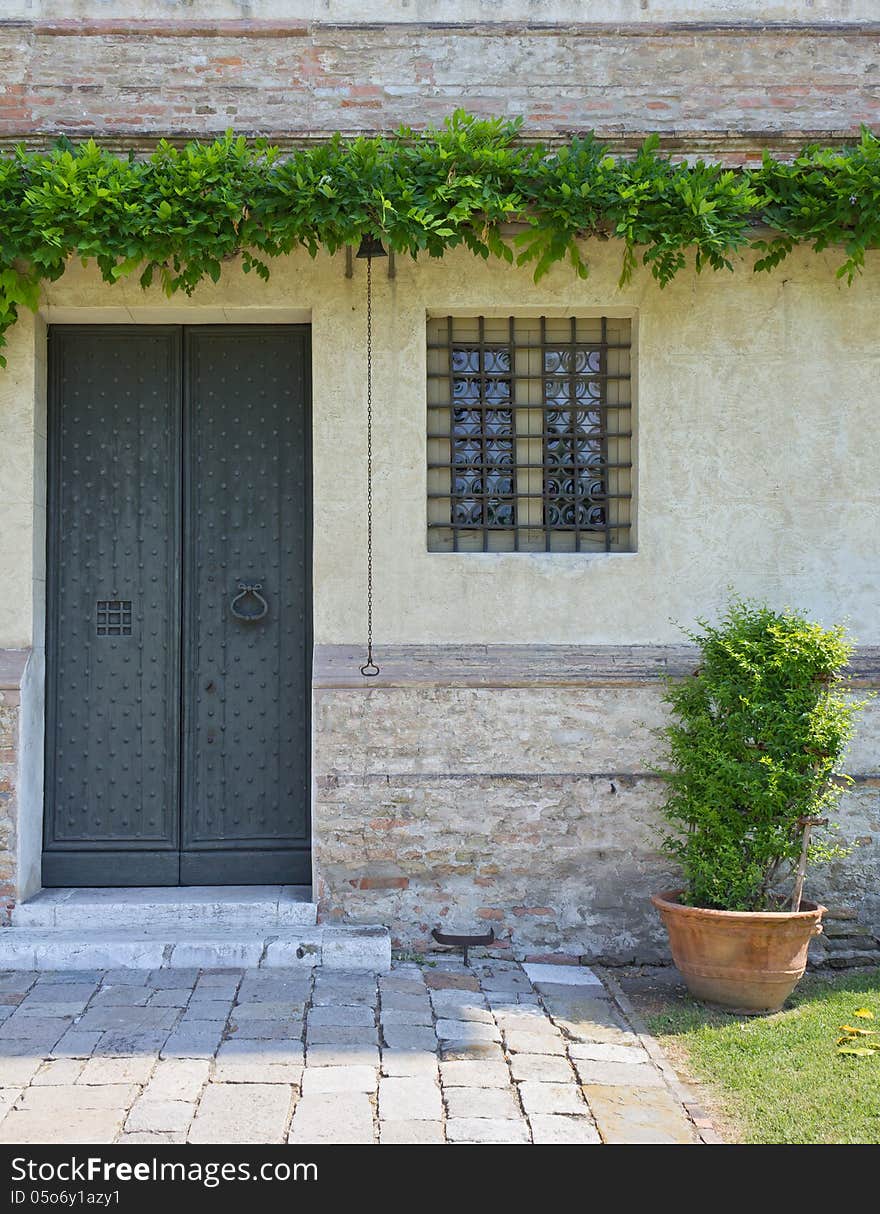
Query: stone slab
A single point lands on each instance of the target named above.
(467, 1030)
(343, 1055)
(343, 1016)
(58, 1072)
(409, 1037)
(172, 1116)
(178, 1079)
(259, 1062)
(638, 1115)
(333, 1034)
(401, 983)
(126, 1018)
(491, 1102)
(356, 948)
(262, 1030)
(403, 1063)
(195, 1039)
(544, 1068)
(563, 1131)
(143, 1138)
(414, 1017)
(618, 1074)
(218, 952)
(33, 1028)
(604, 1051)
(550, 1098)
(474, 1074)
(486, 1130)
(325, 1079)
(562, 975)
(409, 1099)
(459, 1051)
(411, 1133)
(62, 1103)
(265, 906)
(131, 1069)
(534, 1043)
(398, 1001)
(335, 1118)
(101, 1126)
(76, 1044)
(242, 1113)
(36, 949)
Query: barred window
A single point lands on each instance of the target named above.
(529, 434)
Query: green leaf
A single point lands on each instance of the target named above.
(182, 212)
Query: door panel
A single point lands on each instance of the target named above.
(114, 617)
(177, 731)
(246, 792)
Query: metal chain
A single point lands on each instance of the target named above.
(369, 670)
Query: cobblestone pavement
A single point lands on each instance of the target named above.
(431, 1053)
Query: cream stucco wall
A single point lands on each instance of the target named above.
(758, 424)
(757, 429)
(23, 485)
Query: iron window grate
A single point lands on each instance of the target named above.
(113, 617)
(529, 434)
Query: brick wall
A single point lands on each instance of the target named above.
(515, 791)
(736, 85)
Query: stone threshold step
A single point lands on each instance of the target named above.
(192, 907)
(339, 947)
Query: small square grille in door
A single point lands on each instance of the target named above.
(113, 618)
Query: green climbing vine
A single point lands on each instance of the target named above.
(178, 214)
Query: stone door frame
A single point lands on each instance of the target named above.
(23, 671)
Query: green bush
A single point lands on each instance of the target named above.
(752, 750)
(178, 215)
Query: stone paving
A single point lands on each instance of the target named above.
(429, 1053)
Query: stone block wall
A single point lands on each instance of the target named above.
(12, 664)
(9, 706)
(466, 791)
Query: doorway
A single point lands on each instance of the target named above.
(179, 606)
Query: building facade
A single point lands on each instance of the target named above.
(196, 471)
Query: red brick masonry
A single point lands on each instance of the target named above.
(729, 86)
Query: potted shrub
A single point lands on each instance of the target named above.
(751, 754)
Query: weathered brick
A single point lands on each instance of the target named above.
(156, 76)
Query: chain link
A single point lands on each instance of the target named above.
(369, 670)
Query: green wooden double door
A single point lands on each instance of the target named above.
(179, 596)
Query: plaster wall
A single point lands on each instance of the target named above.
(363, 11)
(756, 419)
(756, 428)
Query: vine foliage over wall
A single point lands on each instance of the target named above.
(178, 214)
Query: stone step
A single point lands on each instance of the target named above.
(196, 906)
(842, 943)
(836, 930)
(333, 947)
(851, 958)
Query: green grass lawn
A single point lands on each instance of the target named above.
(778, 1078)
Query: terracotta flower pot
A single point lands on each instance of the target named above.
(744, 961)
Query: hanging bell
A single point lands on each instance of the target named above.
(370, 246)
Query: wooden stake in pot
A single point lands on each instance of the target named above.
(801, 872)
